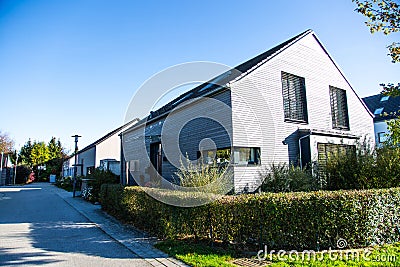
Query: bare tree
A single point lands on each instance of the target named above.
(6, 143)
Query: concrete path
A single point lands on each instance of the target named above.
(41, 224)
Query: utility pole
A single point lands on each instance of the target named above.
(75, 165)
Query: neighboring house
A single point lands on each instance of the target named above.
(384, 108)
(6, 170)
(105, 153)
(292, 104)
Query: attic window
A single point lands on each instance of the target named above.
(340, 114)
(385, 98)
(294, 98)
(378, 111)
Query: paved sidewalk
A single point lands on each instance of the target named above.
(136, 241)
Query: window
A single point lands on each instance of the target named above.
(384, 98)
(327, 151)
(218, 156)
(378, 111)
(294, 98)
(89, 170)
(246, 155)
(340, 116)
(382, 137)
(241, 156)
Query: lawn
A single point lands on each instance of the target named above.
(202, 254)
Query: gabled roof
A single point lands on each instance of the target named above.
(105, 137)
(218, 83)
(381, 105)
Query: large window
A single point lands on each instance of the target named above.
(329, 151)
(246, 155)
(219, 156)
(240, 156)
(294, 98)
(340, 116)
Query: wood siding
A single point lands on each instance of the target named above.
(185, 127)
(261, 90)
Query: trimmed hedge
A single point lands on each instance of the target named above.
(313, 220)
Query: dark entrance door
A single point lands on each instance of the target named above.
(156, 156)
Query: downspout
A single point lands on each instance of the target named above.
(301, 162)
(121, 162)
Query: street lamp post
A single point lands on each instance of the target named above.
(75, 165)
(16, 163)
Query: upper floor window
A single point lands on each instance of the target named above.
(378, 111)
(294, 98)
(384, 98)
(340, 116)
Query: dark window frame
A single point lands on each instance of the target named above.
(339, 108)
(254, 156)
(294, 98)
(382, 135)
(328, 148)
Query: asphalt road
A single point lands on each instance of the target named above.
(37, 227)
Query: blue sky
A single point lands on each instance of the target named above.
(72, 67)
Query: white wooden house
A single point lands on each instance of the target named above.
(291, 104)
(104, 152)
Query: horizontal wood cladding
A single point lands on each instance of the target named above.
(184, 128)
(257, 104)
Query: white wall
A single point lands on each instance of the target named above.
(88, 158)
(262, 91)
(108, 149)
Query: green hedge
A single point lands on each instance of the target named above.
(313, 220)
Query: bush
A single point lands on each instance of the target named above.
(362, 168)
(287, 178)
(314, 220)
(66, 183)
(216, 179)
(100, 177)
(365, 169)
(23, 172)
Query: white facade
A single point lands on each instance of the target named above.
(106, 148)
(306, 58)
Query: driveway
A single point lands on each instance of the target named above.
(43, 225)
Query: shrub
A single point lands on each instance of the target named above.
(287, 178)
(99, 177)
(22, 174)
(217, 179)
(66, 183)
(299, 220)
(364, 169)
(361, 168)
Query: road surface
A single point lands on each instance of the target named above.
(38, 227)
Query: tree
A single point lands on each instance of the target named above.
(383, 16)
(6, 143)
(40, 153)
(55, 149)
(25, 154)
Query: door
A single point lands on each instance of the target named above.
(156, 156)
